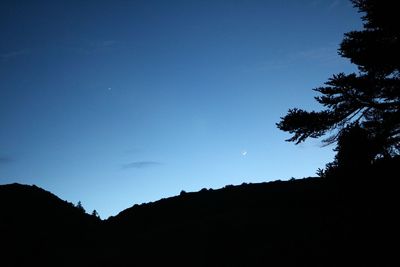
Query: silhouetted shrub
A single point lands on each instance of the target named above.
(354, 148)
(355, 151)
(80, 207)
(95, 214)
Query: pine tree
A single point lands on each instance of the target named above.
(370, 98)
(95, 214)
(80, 207)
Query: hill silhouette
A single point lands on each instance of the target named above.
(306, 222)
(39, 228)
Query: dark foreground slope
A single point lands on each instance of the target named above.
(39, 229)
(309, 222)
(348, 220)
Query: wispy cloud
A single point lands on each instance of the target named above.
(334, 4)
(13, 54)
(5, 159)
(132, 151)
(321, 54)
(315, 55)
(106, 43)
(140, 164)
(98, 46)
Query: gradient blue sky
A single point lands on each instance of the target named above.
(121, 102)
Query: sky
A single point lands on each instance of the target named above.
(116, 103)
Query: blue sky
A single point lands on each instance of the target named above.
(114, 103)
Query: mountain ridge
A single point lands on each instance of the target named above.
(304, 222)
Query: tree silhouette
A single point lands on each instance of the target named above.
(95, 214)
(354, 147)
(355, 150)
(370, 98)
(80, 207)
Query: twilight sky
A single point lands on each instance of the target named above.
(121, 102)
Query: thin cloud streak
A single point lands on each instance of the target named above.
(106, 43)
(93, 47)
(4, 160)
(14, 54)
(140, 164)
(334, 4)
(317, 55)
(132, 151)
(325, 4)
